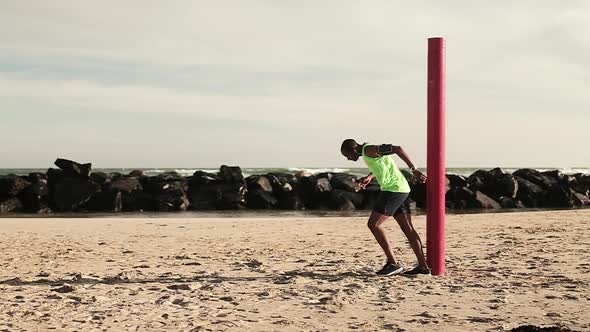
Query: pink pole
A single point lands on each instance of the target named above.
(435, 198)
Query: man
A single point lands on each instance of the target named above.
(392, 200)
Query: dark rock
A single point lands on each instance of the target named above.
(260, 199)
(456, 180)
(580, 199)
(345, 182)
(418, 194)
(172, 200)
(12, 185)
(461, 198)
(217, 195)
(344, 200)
(536, 177)
(109, 200)
(65, 288)
(71, 193)
(34, 198)
(485, 201)
(36, 177)
(100, 178)
(137, 173)
(478, 180)
(530, 194)
(126, 184)
(558, 195)
(55, 175)
(72, 168)
(169, 193)
(138, 201)
(231, 174)
(201, 178)
(503, 185)
(282, 183)
(10, 205)
(314, 191)
(259, 182)
(290, 201)
(510, 203)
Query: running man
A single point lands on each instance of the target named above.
(392, 200)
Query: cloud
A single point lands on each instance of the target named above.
(298, 74)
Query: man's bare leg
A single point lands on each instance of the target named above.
(404, 221)
(375, 224)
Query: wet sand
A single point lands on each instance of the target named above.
(290, 274)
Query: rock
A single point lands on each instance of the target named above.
(179, 287)
(580, 199)
(34, 198)
(344, 200)
(530, 194)
(290, 201)
(510, 203)
(138, 201)
(485, 201)
(100, 178)
(54, 176)
(259, 182)
(12, 185)
(72, 168)
(303, 174)
(281, 183)
(217, 195)
(36, 177)
(478, 180)
(170, 194)
(456, 180)
(536, 177)
(314, 191)
(201, 178)
(126, 184)
(136, 173)
(558, 195)
(109, 200)
(10, 205)
(231, 174)
(418, 194)
(260, 199)
(343, 181)
(172, 200)
(64, 289)
(71, 193)
(461, 198)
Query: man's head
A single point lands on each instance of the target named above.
(349, 149)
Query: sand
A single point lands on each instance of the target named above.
(290, 274)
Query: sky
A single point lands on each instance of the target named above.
(282, 83)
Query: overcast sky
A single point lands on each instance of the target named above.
(282, 83)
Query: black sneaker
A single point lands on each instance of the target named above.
(390, 269)
(418, 270)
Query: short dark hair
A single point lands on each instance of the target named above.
(348, 145)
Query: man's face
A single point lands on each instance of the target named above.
(352, 155)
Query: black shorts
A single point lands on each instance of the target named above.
(390, 203)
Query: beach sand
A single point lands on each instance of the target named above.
(290, 274)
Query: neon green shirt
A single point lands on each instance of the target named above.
(389, 177)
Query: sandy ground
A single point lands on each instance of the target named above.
(290, 274)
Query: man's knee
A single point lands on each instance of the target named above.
(372, 225)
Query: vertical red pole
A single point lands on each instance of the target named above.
(435, 220)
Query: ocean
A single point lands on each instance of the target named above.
(188, 171)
